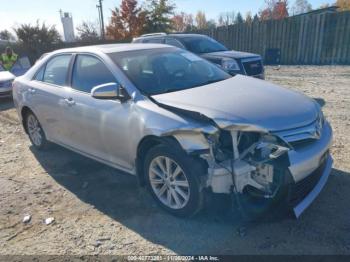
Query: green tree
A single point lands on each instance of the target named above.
(256, 18)
(37, 39)
(7, 35)
(158, 15)
(211, 24)
(239, 18)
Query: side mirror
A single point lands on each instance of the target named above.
(110, 91)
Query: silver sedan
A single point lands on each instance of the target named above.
(182, 125)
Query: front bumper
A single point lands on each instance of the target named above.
(309, 168)
(307, 159)
(300, 207)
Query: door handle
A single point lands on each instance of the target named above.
(69, 101)
(32, 91)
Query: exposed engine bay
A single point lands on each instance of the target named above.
(240, 161)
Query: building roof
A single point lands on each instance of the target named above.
(330, 9)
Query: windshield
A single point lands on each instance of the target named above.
(162, 70)
(202, 44)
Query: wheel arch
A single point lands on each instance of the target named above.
(24, 111)
(145, 145)
(151, 141)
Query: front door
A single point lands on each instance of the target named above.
(96, 127)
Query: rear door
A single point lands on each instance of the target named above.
(45, 95)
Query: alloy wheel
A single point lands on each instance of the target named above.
(169, 182)
(34, 130)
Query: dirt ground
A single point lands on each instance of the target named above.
(99, 210)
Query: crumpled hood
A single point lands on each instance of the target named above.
(245, 101)
(230, 54)
(6, 76)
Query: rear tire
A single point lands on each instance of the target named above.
(173, 179)
(35, 132)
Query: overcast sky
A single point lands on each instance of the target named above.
(15, 12)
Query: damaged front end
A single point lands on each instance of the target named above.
(256, 166)
(246, 161)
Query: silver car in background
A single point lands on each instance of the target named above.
(182, 125)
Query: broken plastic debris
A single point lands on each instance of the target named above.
(27, 218)
(49, 220)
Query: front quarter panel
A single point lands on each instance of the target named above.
(148, 119)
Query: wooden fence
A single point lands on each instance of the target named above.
(309, 39)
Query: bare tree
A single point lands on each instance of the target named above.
(344, 5)
(300, 7)
(87, 32)
(249, 17)
(226, 18)
(201, 20)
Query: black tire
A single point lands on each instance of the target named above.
(192, 170)
(41, 144)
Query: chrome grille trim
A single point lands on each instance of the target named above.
(311, 131)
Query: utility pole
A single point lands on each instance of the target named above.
(100, 15)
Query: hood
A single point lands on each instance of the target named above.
(242, 100)
(6, 76)
(229, 54)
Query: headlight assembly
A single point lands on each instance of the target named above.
(229, 64)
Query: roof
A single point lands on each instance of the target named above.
(181, 35)
(158, 35)
(112, 48)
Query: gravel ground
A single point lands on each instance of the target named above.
(99, 210)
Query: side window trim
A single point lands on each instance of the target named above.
(43, 67)
(70, 70)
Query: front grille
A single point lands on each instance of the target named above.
(5, 84)
(253, 67)
(298, 191)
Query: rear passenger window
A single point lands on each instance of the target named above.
(89, 72)
(56, 70)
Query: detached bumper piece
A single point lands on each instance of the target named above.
(305, 191)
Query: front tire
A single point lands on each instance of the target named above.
(173, 178)
(35, 132)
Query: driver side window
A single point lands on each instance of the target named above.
(88, 72)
